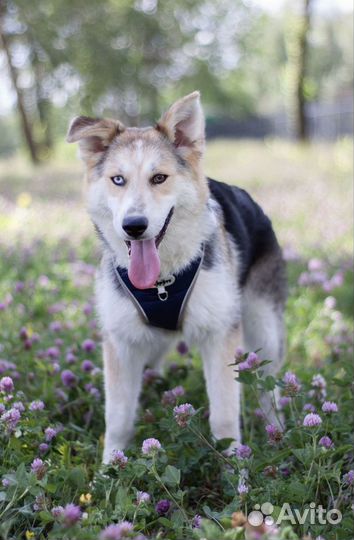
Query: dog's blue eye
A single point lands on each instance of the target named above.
(158, 178)
(118, 180)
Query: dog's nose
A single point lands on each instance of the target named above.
(135, 225)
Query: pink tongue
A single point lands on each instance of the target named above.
(144, 267)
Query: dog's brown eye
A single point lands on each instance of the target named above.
(158, 178)
(118, 180)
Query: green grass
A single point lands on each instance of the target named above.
(48, 254)
(306, 190)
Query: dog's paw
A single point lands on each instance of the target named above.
(231, 450)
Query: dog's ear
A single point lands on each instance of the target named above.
(184, 123)
(93, 134)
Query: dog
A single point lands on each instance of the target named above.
(184, 256)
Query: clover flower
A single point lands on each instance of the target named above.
(95, 393)
(259, 414)
(243, 366)
(55, 368)
(183, 413)
(117, 531)
(6, 385)
(53, 353)
(119, 458)
(150, 446)
(57, 512)
(242, 488)
(87, 309)
(19, 286)
(87, 366)
(23, 333)
(315, 265)
(49, 433)
(309, 407)
(330, 302)
(19, 406)
(318, 381)
(270, 471)
(142, 497)
(312, 420)
(163, 506)
(5, 365)
(329, 407)
(319, 385)
(169, 397)
(178, 391)
(71, 514)
(150, 375)
(92, 390)
(182, 348)
(61, 395)
(70, 357)
(88, 345)
(348, 478)
(68, 378)
(38, 467)
(40, 503)
(43, 448)
(326, 442)
(239, 352)
(36, 405)
(112, 532)
(275, 435)
(284, 401)
(292, 385)
(197, 521)
(11, 418)
(55, 326)
(243, 451)
(251, 361)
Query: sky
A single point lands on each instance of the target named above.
(322, 6)
(325, 7)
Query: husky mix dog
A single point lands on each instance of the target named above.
(184, 256)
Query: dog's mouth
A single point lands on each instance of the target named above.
(144, 260)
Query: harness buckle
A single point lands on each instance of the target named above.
(162, 293)
(160, 286)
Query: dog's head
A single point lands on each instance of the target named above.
(141, 181)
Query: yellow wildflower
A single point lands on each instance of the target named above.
(24, 200)
(85, 498)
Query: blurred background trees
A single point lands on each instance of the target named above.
(130, 59)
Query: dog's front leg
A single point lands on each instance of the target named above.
(223, 391)
(123, 376)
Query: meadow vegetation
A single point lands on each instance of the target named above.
(174, 481)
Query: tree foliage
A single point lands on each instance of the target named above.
(131, 58)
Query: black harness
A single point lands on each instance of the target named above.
(163, 305)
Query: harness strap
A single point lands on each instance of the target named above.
(164, 305)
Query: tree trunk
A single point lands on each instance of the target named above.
(25, 121)
(301, 120)
(43, 104)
